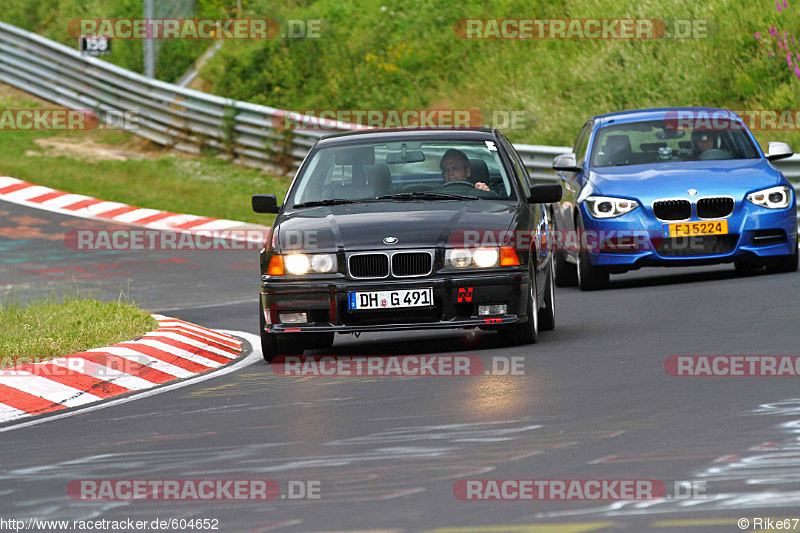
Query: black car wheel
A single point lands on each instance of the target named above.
(785, 263)
(547, 315)
(271, 345)
(590, 277)
(566, 274)
(528, 332)
(316, 340)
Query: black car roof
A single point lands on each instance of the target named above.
(391, 135)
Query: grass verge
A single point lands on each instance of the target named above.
(53, 327)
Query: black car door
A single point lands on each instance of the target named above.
(537, 219)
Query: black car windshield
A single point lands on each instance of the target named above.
(442, 171)
(647, 142)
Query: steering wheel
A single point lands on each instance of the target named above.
(467, 184)
(714, 153)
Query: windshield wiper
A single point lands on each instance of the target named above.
(332, 201)
(425, 196)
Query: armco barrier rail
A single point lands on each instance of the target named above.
(185, 119)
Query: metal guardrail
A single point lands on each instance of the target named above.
(189, 120)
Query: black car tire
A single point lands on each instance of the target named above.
(316, 340)
(271, 345)
(566, 274)
(590, 277)
(528, 332)
(785, 263)
(547, 315)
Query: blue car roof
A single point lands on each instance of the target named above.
(636, 115)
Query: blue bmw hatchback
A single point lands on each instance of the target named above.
(671, 187)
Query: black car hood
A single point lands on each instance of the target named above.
(364, 226)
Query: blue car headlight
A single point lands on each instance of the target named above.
(609, 207)
(773, 198)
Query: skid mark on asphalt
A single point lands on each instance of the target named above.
(402, 462)
(768, 478)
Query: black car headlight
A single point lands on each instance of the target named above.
(485, 257)
(609, 207)
(298, 264)
(773, 198)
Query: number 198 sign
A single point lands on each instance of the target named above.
(94, 45)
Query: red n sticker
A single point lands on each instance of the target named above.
(465, 295)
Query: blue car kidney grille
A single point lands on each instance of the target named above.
(672, 209)
(718, 207)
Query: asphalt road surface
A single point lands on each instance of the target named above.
(594, 402)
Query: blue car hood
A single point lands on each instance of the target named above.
(673, 180)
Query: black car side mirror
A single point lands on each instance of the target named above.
(545, 194)
(265, 203)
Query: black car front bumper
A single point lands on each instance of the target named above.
(456, 298)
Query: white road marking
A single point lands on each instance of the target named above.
(5, 181)
(111, 375)
(50, 390)
(68, 199)
(171, 350)
(102, 207)
(190, 342)
(147, 360)
(133, 216)
(28, 192)
(10, 413)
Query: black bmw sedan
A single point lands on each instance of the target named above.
(406, 229)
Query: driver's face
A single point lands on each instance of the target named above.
(708, 144)
(453, 169)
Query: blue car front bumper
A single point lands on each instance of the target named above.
(753, 233)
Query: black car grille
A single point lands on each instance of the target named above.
(406, 264)
(717, 207)
(672, 209)
(369, 266)
(697, 245)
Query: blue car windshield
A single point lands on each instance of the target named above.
(648, 142)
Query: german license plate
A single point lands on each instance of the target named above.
(690, 229)
(390, 299)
